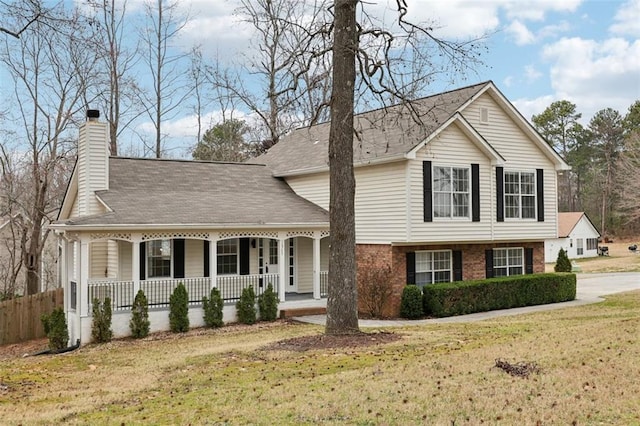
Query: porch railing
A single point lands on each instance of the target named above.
(324, 283)
(120, 293)
(231, 286)
(159, 291)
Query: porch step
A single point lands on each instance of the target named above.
(301, 312)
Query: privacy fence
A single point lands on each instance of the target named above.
(20, 317)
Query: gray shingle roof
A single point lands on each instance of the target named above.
(380, 133)
(165, 192)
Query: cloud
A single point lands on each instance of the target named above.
(627, 19)
(521, 33)
(529, 107)
(531, 73)
(535, 10)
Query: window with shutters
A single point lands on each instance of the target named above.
(508, 261)
(227, 257)
(433, 267)
(159, 259)
(451, 192)
(520, 195)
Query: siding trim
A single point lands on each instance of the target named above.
(500, 194)
(475, 192)
(427, 185)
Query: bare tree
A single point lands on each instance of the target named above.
(169, 86)
(26, 13)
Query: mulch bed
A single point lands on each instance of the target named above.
(323, 341)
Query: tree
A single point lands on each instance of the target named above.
(563, 264)
(628, 167)
(223, 142)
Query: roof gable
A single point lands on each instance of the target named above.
(567, 222)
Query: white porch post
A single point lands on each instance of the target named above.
(282, 262)
(135, 266)
(316, 266)
(83, 284)
(213, 262)
(64, 271)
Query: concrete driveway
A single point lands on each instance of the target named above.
(590, 289)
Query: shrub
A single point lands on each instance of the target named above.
(246, 306)
(212, 308)
(466, 297)
(374, 289)
(411, 302)
(563, 264)
(101, 323)
(139, 323)
(179, 309)
(55, 327)
(268, 304)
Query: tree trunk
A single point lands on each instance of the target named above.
(342, 303)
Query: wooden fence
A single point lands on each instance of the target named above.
(20, 317)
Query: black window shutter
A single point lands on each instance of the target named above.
(528, 260)
(500, 194)
(488, 261)
(457, 265)
(143, 260)
(205, 260)
(475, 192)
(178, 258)
(427, 185)
(244, 256)
(411, 267)
(540, 193)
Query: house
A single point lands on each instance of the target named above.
(577, 235)
(455, 186)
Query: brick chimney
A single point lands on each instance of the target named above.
(93, 163)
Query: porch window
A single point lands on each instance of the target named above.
(159, 259)
(433, 267)
(227, 257)
(451, 192)
(520, 195)
(507, 262)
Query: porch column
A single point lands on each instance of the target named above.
(135, 266)
(316, 267)
(213, 262)
(282, 263)
(64, 270)
(83, 284)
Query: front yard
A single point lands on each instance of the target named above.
(436, 374)
(620, 259)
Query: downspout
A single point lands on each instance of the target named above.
(58, 351)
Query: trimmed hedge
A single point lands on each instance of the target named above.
(467, 297)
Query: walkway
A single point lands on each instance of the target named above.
(590, 289)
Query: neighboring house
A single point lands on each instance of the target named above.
(577, 235)
(456, 186)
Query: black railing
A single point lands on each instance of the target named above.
(158, 291)
(120, 293)
(231, 286)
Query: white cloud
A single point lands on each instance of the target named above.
(521, 33)
(529, 107)
(627, 19)
(508, 81)
(531, 73)
(535, 10)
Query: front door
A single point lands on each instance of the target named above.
(267, 258)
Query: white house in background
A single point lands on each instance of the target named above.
(577, 235)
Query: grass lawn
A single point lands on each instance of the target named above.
(441, 374)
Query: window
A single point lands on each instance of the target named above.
(450, 192)
(227, 257)
(433, 267)
(273, 252)
(159, 259)
(520, 195)
(507, 262)
(579, 246)
(592, 243)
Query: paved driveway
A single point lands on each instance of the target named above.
(590, 289)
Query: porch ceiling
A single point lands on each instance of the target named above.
(174, 192)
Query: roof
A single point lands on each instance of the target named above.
(179, 192)
(380, 134)
(567, 221)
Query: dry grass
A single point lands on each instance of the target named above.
(437, 374)
(620, 259)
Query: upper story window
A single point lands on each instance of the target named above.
(520, 195)
(227, 257)
(451, 192)
(159, 259)
(433, 267)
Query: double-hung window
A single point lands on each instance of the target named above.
(592, 243)
(451, 188)
(508, 261)
(227, 257)
(520, 195)
(159, 259)
(433, 267)
(580, 246)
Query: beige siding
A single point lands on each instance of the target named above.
(324, 254)
(98, 259)
(126, 257)
(92, 166)
(304, 264)
(314, 188)
(193, 258)
(112, 259)
(254, 261)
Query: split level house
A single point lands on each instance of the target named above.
(577, 235)
(455, 186)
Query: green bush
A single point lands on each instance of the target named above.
(246, 306)
(411, 302)
(139, 323)
(563, 264)
(466, 297)
(55, 327)
(212, 308)
(179, 309)
(268, 304)
(101, 323)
